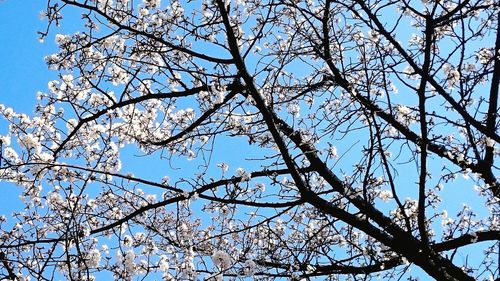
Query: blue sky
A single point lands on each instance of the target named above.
(23, 70)
(23, 73)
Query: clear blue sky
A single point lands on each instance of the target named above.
(23, 73)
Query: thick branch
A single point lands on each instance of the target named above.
(493, 106)
(7, 266)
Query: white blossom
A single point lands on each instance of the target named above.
(403, 110)
(385, 195)
(129, 261)
(128, 240)
(333, 151)
(221, 259)
(93, 258)
(484, 55)
(163, 263)
(245, 176)
(490, 142)
(249, 268)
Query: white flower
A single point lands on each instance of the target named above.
(245, 176)
(151, 4)
(10, 153)
(489, 142)
(474, 238)
(444, 214)
(391, 131)
(163, 263)
(394, 89)
(156, 20)
(409, 72)
(221, 259)
(143, 12)
(71, 124)
(29, 141)
(332, 150)
(223, 166)
(7, 112)
(465, 174)
(294, 109)
(373, 35)
(260, 186)
(129, 260)
(191, 155)
(105, 249)
(54, 200)
(403, 110)
(52, 85)
(127, 240)
(93, 258)
(358, 36)
(385, 195)
(484, 55)
(165, 180)
(5, 140)
(447, 221)
(416, 40)
(61, 39)
(452, 74)
(139, 237)
(68, 78)
(249, 268)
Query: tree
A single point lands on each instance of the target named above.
(366, 135)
